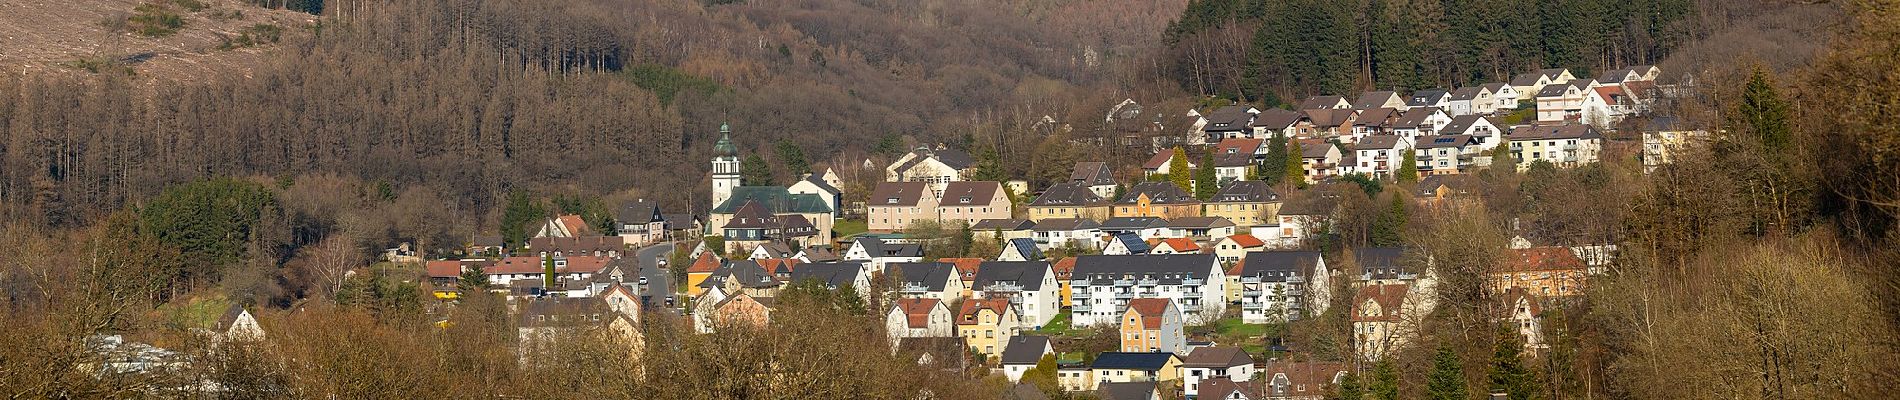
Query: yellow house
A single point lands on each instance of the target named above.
(1065, 269)
(1157, 199)
(1247, 203)
(986, 324)
(1136, 367)
(1068, 200)
(699, 271)
(1152, 324)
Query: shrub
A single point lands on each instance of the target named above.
(153, 20)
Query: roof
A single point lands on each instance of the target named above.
(1161, 158)
(1240, 146)
(901, 194)
(1064, 224)
(940, 349)
(230, 317)
(1378, 257)
(1180, 245)
(1457, 141)
(579, 244)
(443, 268)
(877, 248)
(1028, 274)
(1092, 173)
(1416, 117)
(966, 267)
(1317, 102)
(775, 199)
(1245, 192)
(1158, 193)
(1525, 79)
(1246, 240)
(1609, 93)
(724, 147)
(1315, 377)
(833, 274)
(1549, 132)
(1225, 160)
(753, 215)
(1315, 149)
(1142, 361)
(1374, 99)
(1308, 205)
(1515, 294)
(1169, 268)
(1462, 123)
(917, 311)
(778, 266)
(1133, 223)
(1553, 91)
(1376, 116)
(576, 225)
(1151, 310)
(1229, 118)
(747, 273)
(1495, 87)
(1426, 98)
(973, 307)
(956, 159)
(1276, 119)
(639, 211)
(932, 275)
(1546, 258)
(1614, 76)
(1216, 357)
(818, 179)
(1025, 349)
(536, 265)
(970, 193)
(706, 262)
(1428, 186)
(1378, 142)
(1068, 194)
(1132, 242)
(1466, 93)
(562, 311)
(1064, 268)
(1390, 299)
(1328, 117)
(1276, 265)
(1125, 391)
(1199, 222)
(1223, 388)
(1002, 224)
(1024, 391)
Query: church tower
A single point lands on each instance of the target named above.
(725, 167)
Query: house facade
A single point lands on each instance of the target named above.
(1245, 203)
(1153, 325)
(1068, 200)
(918, 318)
(935, 166)
(987, 324)
(1157, 199)
(893, 206)
(1281, 285)
(1565, 146)
(1101, 286)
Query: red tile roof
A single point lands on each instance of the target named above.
(1065, 268)
(533, 265)
(1181, 245)
(973, 308)
(1150, 309)
(966, 267)
(1389, 297)
(576, 225)
(917, 311)
(1163, 157)
(1314, 376)
(705, 264)
(444, 269)
(1547, 258)
(1238, 146)
(1247, 240)
(773, 265)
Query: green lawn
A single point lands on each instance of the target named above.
(1059, 326)
(846, 227)
(1250, 337)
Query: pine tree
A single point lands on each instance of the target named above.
(989, 167)
(1501, 159)
(1385, 381)
(1178, 170)
(1349, 388)
(1295, 164)
(1764, 114)
(1276, 160)
(1447, 380)
(1389, 229)
(473, 280)
(754, 172)
(1408, 167)
(547, 276)
(1204, 184)
(793, 157)
(1508, 373)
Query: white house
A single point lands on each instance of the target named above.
(919, 318)
(933, 280)
(1504, 94)
(1420, 122)
(1143, 227)
(1281, 285)
(1022, 353)
(1487, 131)
(935, 166)
(237, 324)
(1102, 285)
(1125, 244)
(1030, 286)
(1067, 232)
(1224, 362)
(1020, 249)
(880, 254)
(1438, 155)
(1379, 156)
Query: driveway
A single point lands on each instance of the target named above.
(659, 283)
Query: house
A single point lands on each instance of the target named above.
(1666, 137)
(1565, 146)
(238, 325)
(1065, 273)
(1444, 155)
(1442, 189)
(1002, 229)
(966, 271)
(1563, 102)
(1379, 156)
(728, 196)
(1161, 163)
(777, 215)
(1325, 102)
(1068, 200)
(1230, 250)
(1525, 314)
(511, 269)
(739, 310)
(595, 246)
(1254, 149)
(1373, 121)
(987, 324)
(933, 280)
(1200, 228)
(1066, 232)
(486, 246)
(1380, 265)
(1379, 99)
(701, 269)
(1232, 167)
(1301, 380)
(1548, 271)
(1437, 98)
(1096, 176)
(753, 225)
(1102, 285)
(1276, 122)
(1535, 82)
(1127, 391)
(1489, 132)
(824, 184)
(1303, 217)
(835, 276)
(934, 353)
(1173, 246)
(1420, 122)
(1143, 227)
(1125, 244)
(1157, 199)
(1386, 317)
(564, 226)
(1503, 94)
(543, 322)
(640, 222)
(934, 166)
(1465, 101)
(880, 253)
(1074, 377)
(1281, 285)
(686, 225)
(1022, 353)
(1024, 391)
(1029, 286)
(1153, 324)
(1227, 389)
(1027, 249)
(1226, 363)
(893, 206)
(964, 204)
(1320, 159)
(1326, 123)
(1245, 203)
(1122, 367)
(772, 250)
(739, 277)
(918, 318)
(1230, 122)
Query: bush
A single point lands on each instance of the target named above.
(153, 20)
(254, 35)
(191, 5)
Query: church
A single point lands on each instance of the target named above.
(752, 215)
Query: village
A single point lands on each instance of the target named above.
(1188, 279)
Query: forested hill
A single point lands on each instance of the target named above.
(475, 98)
(1273, 49)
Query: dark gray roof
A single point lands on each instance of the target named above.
(1167, 267)
(877, 248)
(1125, 390)
(638, 212)
(1433, 142)
(1133, 242)
(1068, 194)
(747, 273)
(1465, 93)
(1026, 248)
(1377, 142)
(1373, 99)
(1379, 260)
(1525, 79)
(1002, 224)
(775, 199)
(1065, 224)
(933, 275)
(954, 158)
(1233, 160)
(1229, 118)
(1092, 173)
(1025, 349)
(1277, 265)
(1246, 192)
(1131, 360)
(1553, 91)
(1029, 274)
(900, 194)
(1158, 193)
(563, 311)
(1308, 205)
(1321, 102)
(834, 275)
(1216, 357)
(819, 181)
(1426, 98)
(1124, 224)
(1276, 119)
(1548, 132)
(1614, 76)
(1199, 222)
(1462, 123)
(1024, 391)
(1416, 117)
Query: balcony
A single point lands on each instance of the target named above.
(914, 288)
(1010, 287)
(1079, 308)
(1124, 282)
(1253, 306)
(1250, 279)
(1193, 282)
(1124, 295)
(1295, 279)
(1191, 295)
(1148, 282)
(1251, 292)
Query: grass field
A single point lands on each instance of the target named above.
(846, 227)
(1059, 326)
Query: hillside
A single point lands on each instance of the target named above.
(84, 36)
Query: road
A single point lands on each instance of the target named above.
(659, 283)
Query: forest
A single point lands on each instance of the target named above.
(1761, 267)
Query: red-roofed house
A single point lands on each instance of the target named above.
(1231, 249)
(966, 270)
(1159, 163)
(1382, 319)
(1153, 324)
(511, 269)
(986, 324)
(565, 226)
(918, 318)
(1544, 271)
(1526, 315)
(1065, 269)
(1174, 246)
(701, 269)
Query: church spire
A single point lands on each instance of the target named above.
(724, 147)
